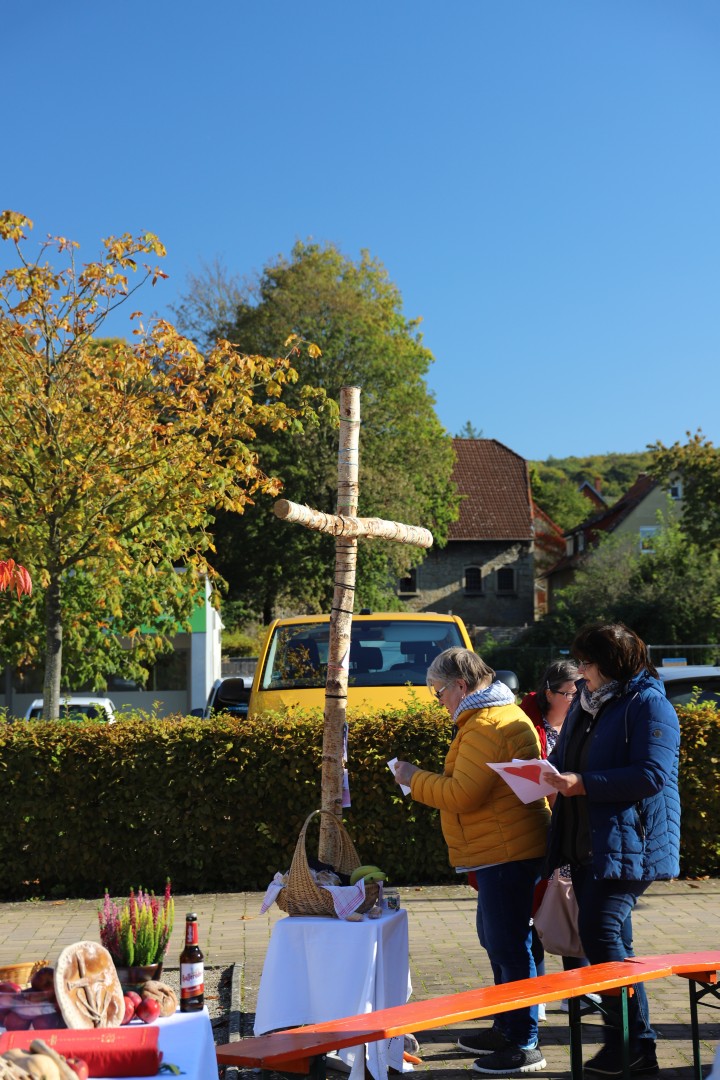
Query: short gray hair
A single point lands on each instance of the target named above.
(457, 663)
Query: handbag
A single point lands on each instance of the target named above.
(556, 919)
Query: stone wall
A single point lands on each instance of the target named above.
(441, 583)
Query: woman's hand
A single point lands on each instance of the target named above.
(404, 772)
(566, 783)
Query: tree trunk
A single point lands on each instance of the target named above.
(340, 621)
(53, 649)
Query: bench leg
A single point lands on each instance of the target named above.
(698, 991)
(318, 1069)
(576, 1050)
(625, 1032)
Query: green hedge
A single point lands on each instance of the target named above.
(218, 804)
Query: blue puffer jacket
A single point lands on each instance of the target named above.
(631, 780)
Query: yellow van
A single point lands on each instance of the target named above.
(389, 657)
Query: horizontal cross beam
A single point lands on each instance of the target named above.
(352, 527)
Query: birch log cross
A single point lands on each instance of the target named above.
(346, 527)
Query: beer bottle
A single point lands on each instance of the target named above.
(192, 979)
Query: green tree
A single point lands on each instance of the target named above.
(354, 313)
(669, 596)
(115, 457)
(469, 431)
(697, 465)
(560, 500)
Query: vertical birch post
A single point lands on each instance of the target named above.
(341, 613)
(346, 527)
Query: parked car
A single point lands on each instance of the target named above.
(76, 707)
(231, 695)
(389, 657)
(680, 683)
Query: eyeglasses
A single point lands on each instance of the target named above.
(439, 693)
(583, 664)
(569, 694)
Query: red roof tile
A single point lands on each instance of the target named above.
(494, 481)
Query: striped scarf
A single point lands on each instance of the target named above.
(497, 693)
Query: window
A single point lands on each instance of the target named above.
(409, 584)
(506, 580)
(647, 538)
(170, 671)
(676, 489)
(473, 579)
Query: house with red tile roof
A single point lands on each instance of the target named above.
(639, 513)
(485, 573)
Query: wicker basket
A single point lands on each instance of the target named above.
(21, 973)
(302, 895)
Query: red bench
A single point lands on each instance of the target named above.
(302, 1050)
(700, 969)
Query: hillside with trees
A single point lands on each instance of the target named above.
(555, 482)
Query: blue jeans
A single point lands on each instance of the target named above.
(605, 924)
(505, 896)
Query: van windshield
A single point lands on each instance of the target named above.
(382, 653)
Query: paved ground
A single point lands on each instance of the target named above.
(445, 956)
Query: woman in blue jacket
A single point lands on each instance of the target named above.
(618, 821)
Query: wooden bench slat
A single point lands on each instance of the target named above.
(294, 1044)
(702, 966)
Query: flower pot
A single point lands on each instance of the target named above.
(134, 978)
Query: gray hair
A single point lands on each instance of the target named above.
(559, 672)
(457, 663)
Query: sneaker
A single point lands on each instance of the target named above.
(487, 1041)
(585, 1003)
(608, 1062)
(541, 1012)
(509, 1061)
(411, 1045)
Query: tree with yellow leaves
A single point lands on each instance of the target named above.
(116, 456)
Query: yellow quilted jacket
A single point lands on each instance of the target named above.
(482, 820)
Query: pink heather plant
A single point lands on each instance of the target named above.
(137, 932)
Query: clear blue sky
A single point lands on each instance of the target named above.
(541, 179)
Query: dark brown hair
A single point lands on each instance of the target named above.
(616, 649)
(559, 672)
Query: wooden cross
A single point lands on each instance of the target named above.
(346, 527)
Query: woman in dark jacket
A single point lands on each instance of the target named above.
(617, 822)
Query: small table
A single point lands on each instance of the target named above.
(186, 1040)
(319, 969)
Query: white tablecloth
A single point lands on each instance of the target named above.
(186, 1040)
(319, 969)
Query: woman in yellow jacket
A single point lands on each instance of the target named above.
(489, 830)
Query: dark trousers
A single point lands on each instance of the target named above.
(505, 896)
(605, 925)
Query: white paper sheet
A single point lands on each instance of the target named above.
(392, 763)
(526, 777)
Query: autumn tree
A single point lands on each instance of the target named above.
(354, 313)
(116, 456)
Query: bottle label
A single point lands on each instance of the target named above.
(192, 980)
(191, 933)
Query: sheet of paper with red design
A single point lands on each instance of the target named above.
(525, 777)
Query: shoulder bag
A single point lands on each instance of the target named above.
(556, 919)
